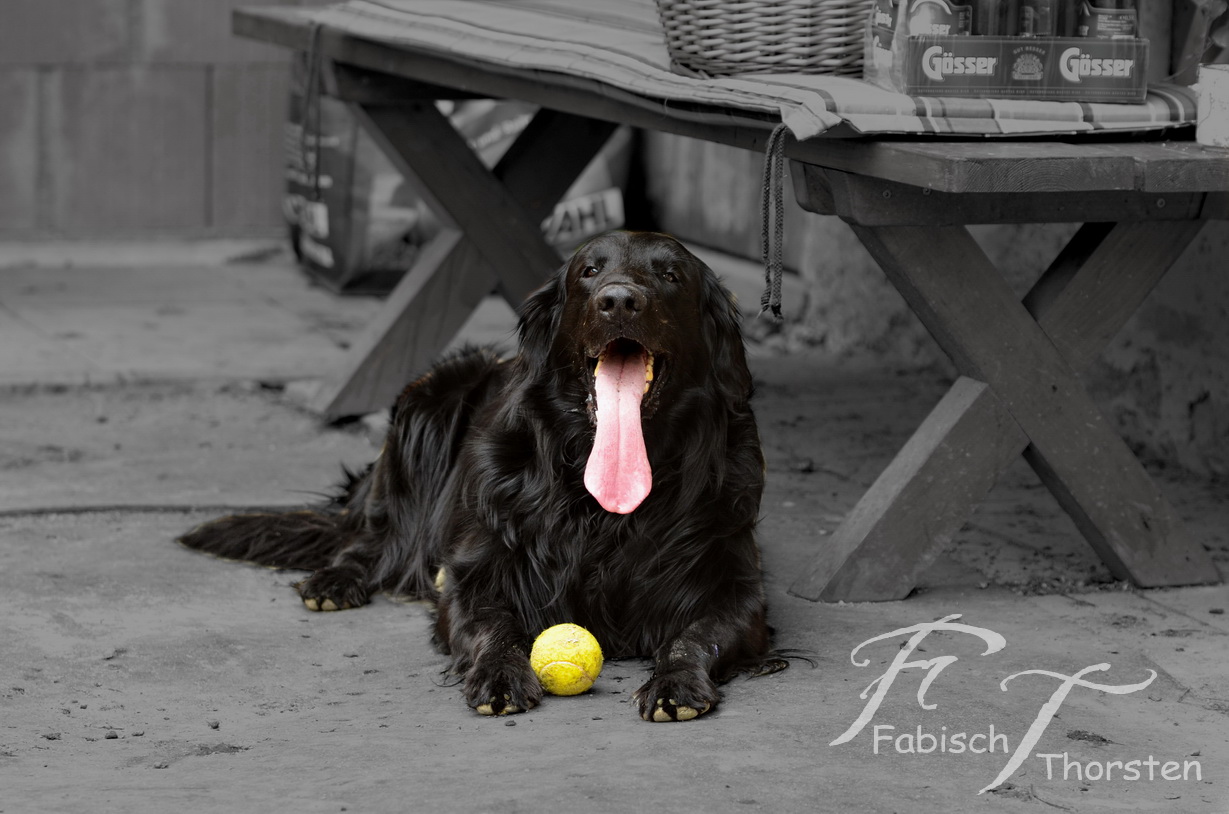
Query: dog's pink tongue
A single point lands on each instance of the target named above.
(618, 472)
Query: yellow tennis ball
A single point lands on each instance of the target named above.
(566, 659)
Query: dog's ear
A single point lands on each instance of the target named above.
(540, 314)
(722, 328)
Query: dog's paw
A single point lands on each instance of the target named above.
(503, 688)
(331, 589)
(677, 696)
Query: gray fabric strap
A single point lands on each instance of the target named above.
(772, 215)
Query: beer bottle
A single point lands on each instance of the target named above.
(1065, 18)
(1037, 18)
(1107, 19)
(995, 18)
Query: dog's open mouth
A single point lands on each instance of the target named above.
(618, 472)
(620, 352)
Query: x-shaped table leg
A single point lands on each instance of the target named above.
(491, 239)
(1018, 394)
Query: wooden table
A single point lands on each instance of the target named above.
(910, 202)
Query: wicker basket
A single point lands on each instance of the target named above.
(721, 37)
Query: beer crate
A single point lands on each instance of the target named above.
(1071, 69)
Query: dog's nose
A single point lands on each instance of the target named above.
(620, 301)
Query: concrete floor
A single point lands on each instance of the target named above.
(144, 389)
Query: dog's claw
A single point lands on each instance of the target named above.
(333, 589)
(495, 707)
(669, 710)
(314, 603)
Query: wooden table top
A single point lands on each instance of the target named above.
(963, 165)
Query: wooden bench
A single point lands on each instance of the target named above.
(909, 201)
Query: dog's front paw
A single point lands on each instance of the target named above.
(331, 589)
(503, 687)
(679, 695)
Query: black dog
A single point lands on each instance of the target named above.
(609, 475)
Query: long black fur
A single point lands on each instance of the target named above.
(481, 475)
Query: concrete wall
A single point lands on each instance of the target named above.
(1164, 380)
(132, 117)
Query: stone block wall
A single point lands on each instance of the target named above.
(123, 118)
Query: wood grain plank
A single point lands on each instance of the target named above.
(978, 167)
(927, 492)
(434, 159)
(1216, 206)
(915, 507)
(878, 202)
(1170, 166)
(1110, 286)
(1062, 270)
(1027, 166)
(421, 315)
(958, 295)
(548, 156)
(352, 84)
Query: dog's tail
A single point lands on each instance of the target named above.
(390, 508)
(305, 540)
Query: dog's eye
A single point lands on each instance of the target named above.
(588, 271)
(670, 276)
